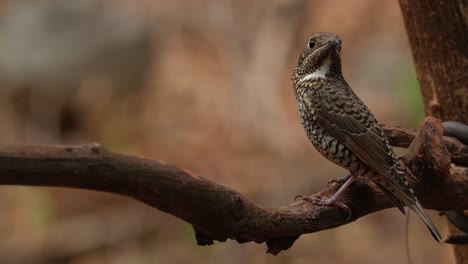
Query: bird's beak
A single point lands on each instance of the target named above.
(335, 43)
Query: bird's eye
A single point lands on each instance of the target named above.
(311, 44)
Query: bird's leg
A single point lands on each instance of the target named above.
(340, 180)
(318, 200)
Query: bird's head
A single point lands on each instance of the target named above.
(320, 57)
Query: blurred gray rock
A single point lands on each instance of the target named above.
(63, 41)
(50, 49)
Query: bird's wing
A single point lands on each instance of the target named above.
(354, 126)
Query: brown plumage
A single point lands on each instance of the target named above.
(342, 128)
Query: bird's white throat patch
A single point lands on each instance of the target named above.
(320, 72)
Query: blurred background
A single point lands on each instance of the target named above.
(205, 85)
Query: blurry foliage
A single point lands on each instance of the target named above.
(410, 97)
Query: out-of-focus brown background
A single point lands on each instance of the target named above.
(204, 85)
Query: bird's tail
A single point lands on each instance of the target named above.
(416, 206)
(402, 195)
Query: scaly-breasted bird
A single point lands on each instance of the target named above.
(342, 128)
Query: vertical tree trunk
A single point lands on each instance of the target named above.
(438, 32)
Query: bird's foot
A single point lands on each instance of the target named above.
(340, 180)
(320, 200)
(333, 201)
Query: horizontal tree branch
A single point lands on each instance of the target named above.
(218, 212)
(402, 137)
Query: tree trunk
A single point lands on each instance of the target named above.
(438, 32)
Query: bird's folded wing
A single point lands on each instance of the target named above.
(354, 126)
(366, 143)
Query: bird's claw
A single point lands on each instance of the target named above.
(299, 196)
(319, 200)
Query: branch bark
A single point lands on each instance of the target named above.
(217, 212)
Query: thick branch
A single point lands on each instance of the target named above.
(219, 213)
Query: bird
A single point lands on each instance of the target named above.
(341, 127)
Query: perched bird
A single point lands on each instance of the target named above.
(342, 128)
